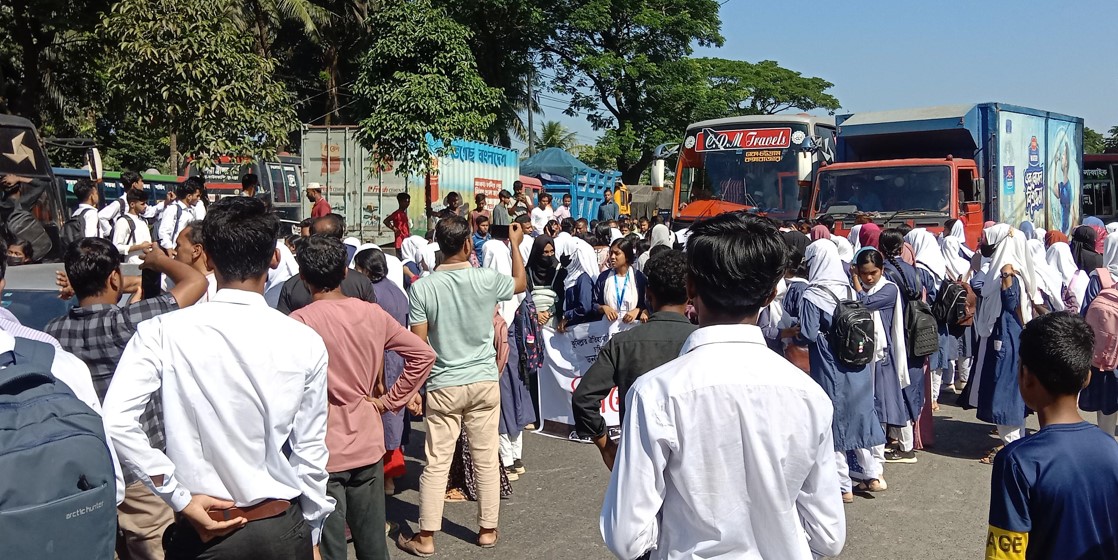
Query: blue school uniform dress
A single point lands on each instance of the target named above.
(914, 394)
(856, 425)
(948, 350)
(578, 302)
(1101, 394)
(999, 398)
(888, 399)
(516, 400)
(1054, 494)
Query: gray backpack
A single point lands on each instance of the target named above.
(58, 489)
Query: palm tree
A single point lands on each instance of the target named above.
(262, 19)
(554, 135)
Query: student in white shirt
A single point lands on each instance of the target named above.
(762, 485)
(542, 214)
(245, 418)
(564, 210)
(130, 232)
(179, 214)
(189, 251)
(129, 181)
(86, 192)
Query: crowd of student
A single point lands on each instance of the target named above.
(259, 398)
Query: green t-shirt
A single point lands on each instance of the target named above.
(458, 307)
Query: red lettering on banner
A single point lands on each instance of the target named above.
(491, 188)
(710, 140)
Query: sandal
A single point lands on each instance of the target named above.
(935, 406)
(873, 485)
(989, 458)
(409, 546)
(490, 544)
(847, 497)
(455, 495)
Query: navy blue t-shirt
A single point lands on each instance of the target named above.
(1054, 494)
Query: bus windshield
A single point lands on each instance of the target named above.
(885, 189)
(753, 165)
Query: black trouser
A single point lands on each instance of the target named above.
(283, 537)
(359, 494)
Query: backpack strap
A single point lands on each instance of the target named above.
(30, 361)
(1105, 278)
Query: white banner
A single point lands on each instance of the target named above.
(567, 357)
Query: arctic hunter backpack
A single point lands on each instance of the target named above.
(58, 492)
(73, 229)
(921, 333)
(1102, 315)
(529, 345)
(954, 305)
(24, 226)
(851, 333)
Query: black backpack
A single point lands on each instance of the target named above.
(851, 333)
(921, 332)
(950, 307)
(73, 229)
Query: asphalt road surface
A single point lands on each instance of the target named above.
(934, 509)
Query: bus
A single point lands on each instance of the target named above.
(761, 163)
(1100, 177)
(32, 211)
(281, 181)
(111, 188)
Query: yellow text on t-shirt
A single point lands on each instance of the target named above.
(1006, 545)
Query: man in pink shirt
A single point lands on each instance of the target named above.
(357, 334)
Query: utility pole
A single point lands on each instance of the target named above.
(531, 108)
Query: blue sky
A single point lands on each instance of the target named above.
(1055, 56)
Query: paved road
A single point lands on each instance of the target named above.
(935, 509)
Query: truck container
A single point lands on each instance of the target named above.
(974, 162)
(561, 173)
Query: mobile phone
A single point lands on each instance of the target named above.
(499, 232)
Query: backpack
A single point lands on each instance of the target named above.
(851, 334)
(954, 304)
(175, 230)
(131, 234)
(58, 492)
(529, 343)
(24, 226)
(921, 332)
(1102, 315)
(73, 229)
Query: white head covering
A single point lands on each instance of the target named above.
(1010, 248)
(360, 248)
(287, 268)
(614, 235)
(427, 258)
(929, 256)
(897, 349)
(845, 249)
(826, 273)
(583, 261)
(1110, 253)
(564, 244)
(1048, 278)
(852, 237)
(1111, 228)
(352, 241)
(959, 231)
(1059, 257)
(395, 271)
(410, 248)
(661, 235)
(957, 266)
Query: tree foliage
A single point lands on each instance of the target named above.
(179, 69)
(764, 88)
(553, 134)
(419, 77)
(1093, 141)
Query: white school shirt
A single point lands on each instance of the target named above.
(91, 224)
(540, 217)
(245, 416)
(761, 484)
(168, 230)
(124, 239)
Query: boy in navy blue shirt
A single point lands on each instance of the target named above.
(1054, 494)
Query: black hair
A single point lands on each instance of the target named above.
(735, 261)
(3, 261)
(667, 277)
(401, 196)
(947, 225)
(904, 229)
(185, 189)
(828, 221)
(84, 188)
(547, 196)
(451, 234)
(240, 237)
(517, 185)
(373, 263)
(523, 219)
(1057, 349)
(480, 220)
(322, 262)
(627, 248)
(306, 223)
(891, 242)
(657, 220)
(330, 225)
(197, 232)
(249, 181)
(453, 194)
(129, 178)
(568, 225)
(657, 250)
(504, 194)
(292, 239)
(25, 247)
(89, 263)
(869, 256)
(552, 224)
(603, 234)
(643, 245)
(566, 196)
(134, 195)
(643, 219)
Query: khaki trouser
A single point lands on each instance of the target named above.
(477, 407)
(143, 517)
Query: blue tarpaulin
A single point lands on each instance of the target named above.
(553, 161)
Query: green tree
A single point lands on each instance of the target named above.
(419, 77)
(764, 88)
(553, 134)
(182, 67)
(1111, 142)
(1093, 141)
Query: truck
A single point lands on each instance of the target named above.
(760, 163)
(972, 162)
(1100, 179)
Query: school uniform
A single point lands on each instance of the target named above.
(1101, 394)
(888, 398)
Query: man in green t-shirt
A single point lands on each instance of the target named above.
(453, 309)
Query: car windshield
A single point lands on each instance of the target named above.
(885, 189)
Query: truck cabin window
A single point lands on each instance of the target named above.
(886, 189)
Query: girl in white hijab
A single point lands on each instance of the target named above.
(929, 255)
(1050, 286)
(1112, 227)
(1101, 393)
(1074, 280)
(1007, 293)
(956, 265)
(932, 269)
(578, 286)
(852, 237)
(845, 249)
(959, 231)
(855, 425)
(659, 236)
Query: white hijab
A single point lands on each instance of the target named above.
(287, 268)
(564, 244)
(958, 231)
(660, 235)
(410, 248)
(583, 261)
(1059, 257)
(956, 265)
(1048, 278)
(826, 275)
(614, 235)
(1110, 253)
(852, 237)
(1112, 227)
(845, 249)
(428, 258)
(395, 272)
(897, 348)
(1011, 249)
(929, 256)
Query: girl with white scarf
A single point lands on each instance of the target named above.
(578, 287)
(1005, 307)
(855, 424)
(1074, 280)
(410, 257)
(1101, 394)
(1050, 286)
(659, 236)
(932, 269)
(891, 376)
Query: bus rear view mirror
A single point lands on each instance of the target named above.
(657, 172)
(93, 159)
(804, 164)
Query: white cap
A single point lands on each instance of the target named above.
(313, 187)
